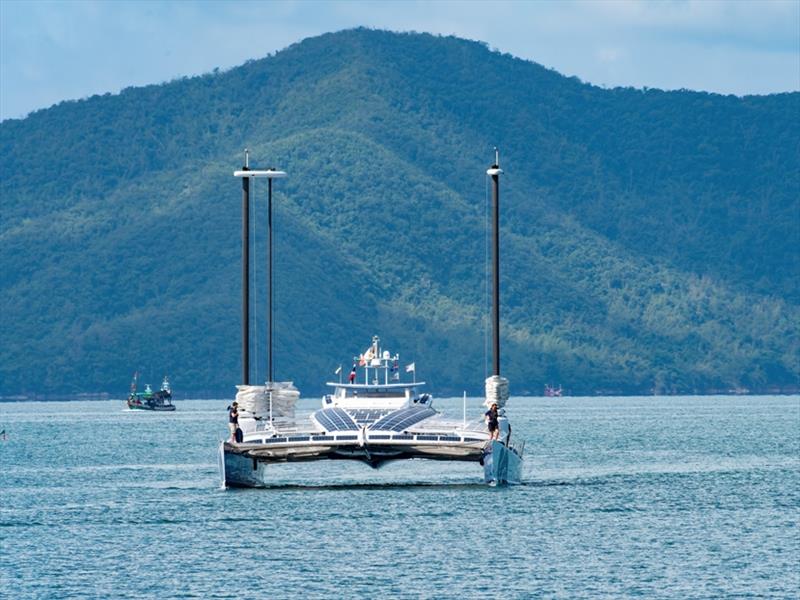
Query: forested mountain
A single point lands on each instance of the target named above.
(650, 238)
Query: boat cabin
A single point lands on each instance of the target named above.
(377, 385)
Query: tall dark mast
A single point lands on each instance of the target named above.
(494, 171)
(246, 272)
(269, 284)
(246, 174)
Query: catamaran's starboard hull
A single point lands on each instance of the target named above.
(502, 465)
(249, 467)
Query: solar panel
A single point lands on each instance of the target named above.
(334, 419)
(403, 419)
(365, 416)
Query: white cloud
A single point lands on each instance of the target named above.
(608, 54)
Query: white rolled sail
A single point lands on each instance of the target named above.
(254, 400)
(496, 391)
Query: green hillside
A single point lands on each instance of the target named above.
(651, 239)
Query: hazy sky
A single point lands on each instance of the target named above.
(53, 51)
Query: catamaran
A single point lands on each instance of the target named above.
(373, 417)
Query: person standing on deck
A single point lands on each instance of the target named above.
(233, 419)
(492, 422)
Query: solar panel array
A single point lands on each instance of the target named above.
(365, 416)
(374, 437)
(402, 419)
(335, 419)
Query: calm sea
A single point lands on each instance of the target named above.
(623, 497)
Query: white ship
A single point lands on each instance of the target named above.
(373, 418)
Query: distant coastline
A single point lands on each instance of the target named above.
(774, 390)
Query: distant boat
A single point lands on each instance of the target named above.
(552, 392)
(148, 399)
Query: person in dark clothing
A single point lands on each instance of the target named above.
(352, 376)
(492, 422)
(233, 419)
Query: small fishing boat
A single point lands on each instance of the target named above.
(552, 391)
(148, 399)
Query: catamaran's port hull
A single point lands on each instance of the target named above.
(248, 467)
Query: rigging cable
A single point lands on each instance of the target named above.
(254, 208)
(271, 290)
(276, 310)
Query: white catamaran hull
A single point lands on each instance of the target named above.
(501, 465)
(243, 466)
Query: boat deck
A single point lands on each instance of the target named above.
(374, 451)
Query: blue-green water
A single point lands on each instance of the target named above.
(623, 497)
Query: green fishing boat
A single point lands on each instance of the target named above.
(148, 399)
